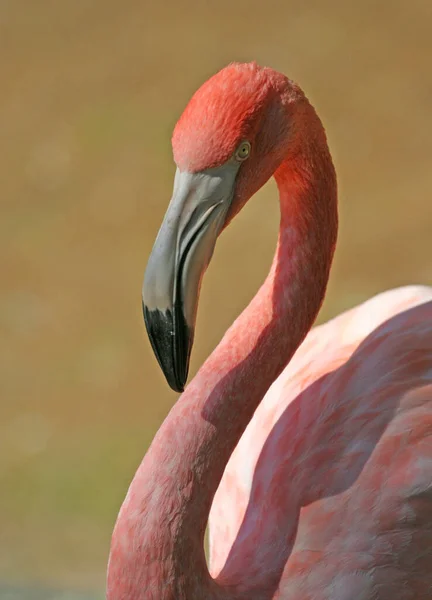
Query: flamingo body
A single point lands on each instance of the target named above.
(341, 444)
(312, 452)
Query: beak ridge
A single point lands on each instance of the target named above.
(179, 258)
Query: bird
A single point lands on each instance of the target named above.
(307, 450)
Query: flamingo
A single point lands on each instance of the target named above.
(308, 451)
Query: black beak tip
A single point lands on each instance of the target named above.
(165, 342)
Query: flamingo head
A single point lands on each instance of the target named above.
(233, 135)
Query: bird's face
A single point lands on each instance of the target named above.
(232, 136)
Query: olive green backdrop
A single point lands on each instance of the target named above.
(89, 93)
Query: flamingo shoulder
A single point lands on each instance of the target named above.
(353, 378)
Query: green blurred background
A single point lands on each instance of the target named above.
(89, 93)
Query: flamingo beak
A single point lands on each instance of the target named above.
(180, 256)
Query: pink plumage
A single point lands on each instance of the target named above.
(312, 452)
(336, 462)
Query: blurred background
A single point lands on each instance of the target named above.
(89, 93)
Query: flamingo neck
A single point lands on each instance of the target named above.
(157, 549)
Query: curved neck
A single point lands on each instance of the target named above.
(157, 549)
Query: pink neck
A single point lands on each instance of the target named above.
(158, 543)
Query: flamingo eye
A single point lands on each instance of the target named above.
(243, 151)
